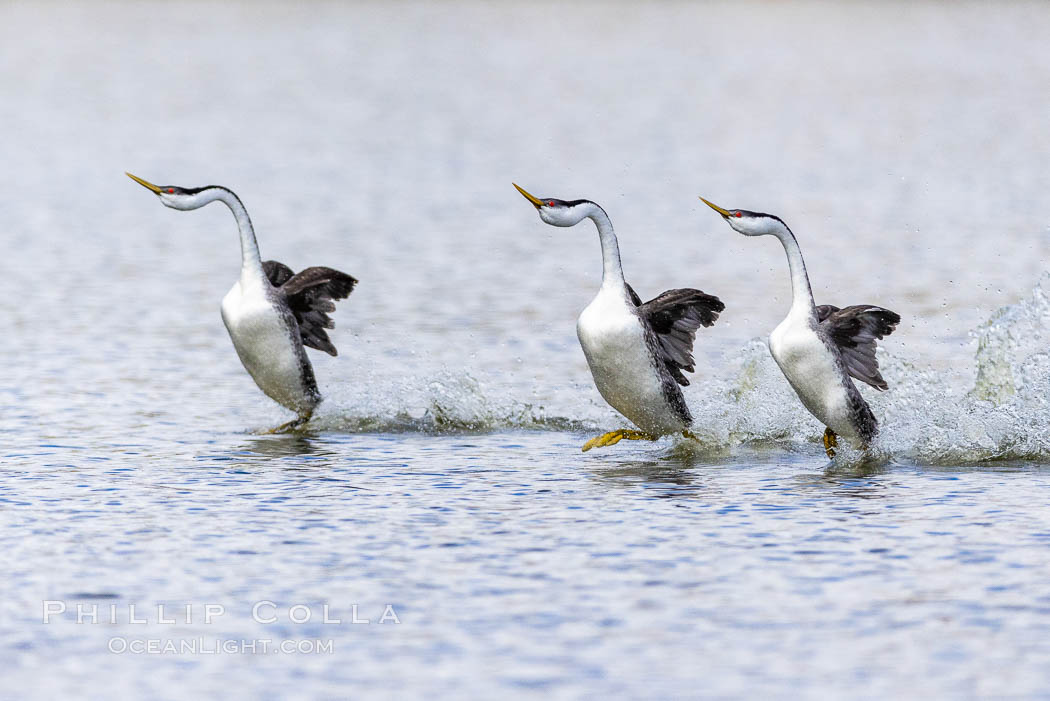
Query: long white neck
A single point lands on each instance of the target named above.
(251, 263)
(801, 292)
(612, 271)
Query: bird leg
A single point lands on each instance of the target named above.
(291, 425)
(614, 437)
(690, 435)
(831, 441)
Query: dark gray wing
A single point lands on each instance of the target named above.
(674, 316)
(854, 331)
(276, 273)
(311, 295)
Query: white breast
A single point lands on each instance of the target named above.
(265, 347)
(613, 341)
(811, 370)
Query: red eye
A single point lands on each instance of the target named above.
(738, 214)
(171, 191)
(551, 203)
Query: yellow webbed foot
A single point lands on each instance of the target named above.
(614, 437)
(690, 435)
(289, 425)
(831, 441)
(610, 438)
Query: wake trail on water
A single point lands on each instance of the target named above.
(927, 416)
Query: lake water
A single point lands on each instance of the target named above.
(440, 493)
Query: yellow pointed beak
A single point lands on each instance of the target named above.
(143, 183)
(535, 201)
(712, 205)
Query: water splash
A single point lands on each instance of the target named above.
(928, 416)
(1004, 416)
(448, 403)
(1011, 347)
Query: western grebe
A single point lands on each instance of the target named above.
(636, 351)
(271, 313)
(819, 348)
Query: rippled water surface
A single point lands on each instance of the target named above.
(440, 493)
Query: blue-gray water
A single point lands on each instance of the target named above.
(905, 144)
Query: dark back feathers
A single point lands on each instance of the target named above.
(311, 295)
(674, 316)
(854, 331)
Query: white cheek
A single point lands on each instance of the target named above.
(748, 228)
(553, 218)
